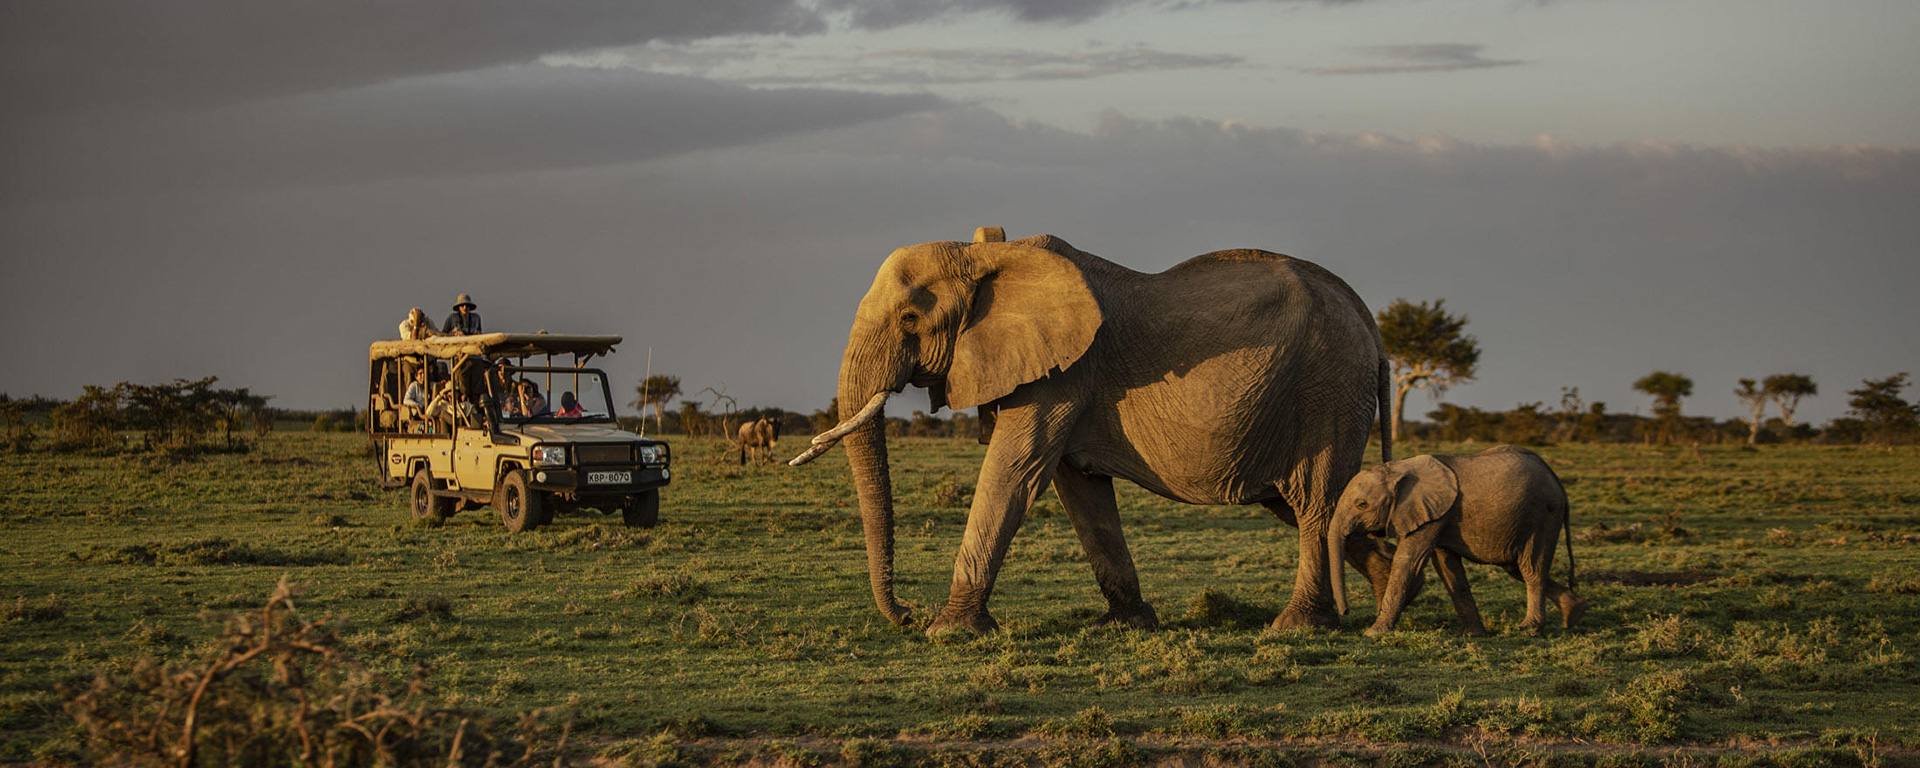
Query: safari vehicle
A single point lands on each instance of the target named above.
(473, 443)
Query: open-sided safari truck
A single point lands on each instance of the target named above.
(469, 442)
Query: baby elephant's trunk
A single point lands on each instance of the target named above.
(1337, 533)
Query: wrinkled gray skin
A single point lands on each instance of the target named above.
(757, 439)
(1237, 377)
(1502, 506)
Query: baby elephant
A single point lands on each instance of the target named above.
(1502, 506)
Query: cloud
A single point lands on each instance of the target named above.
(65, 56)
(899, 68)
(885, 14)
(514, 119)
(59, 56)
(1435, 57)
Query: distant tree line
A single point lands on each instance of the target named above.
(1429, 348)
(194, 416)
(180, 416)
(1877, 414)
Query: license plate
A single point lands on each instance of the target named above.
(609, 478)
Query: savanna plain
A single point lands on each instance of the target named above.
(1748, 607)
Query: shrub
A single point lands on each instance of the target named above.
(90, 421)
(278, 689)
(1091, 722)
(16, 433)
(423, 606)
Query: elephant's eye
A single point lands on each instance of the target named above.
(1361, 503)
(909, 320)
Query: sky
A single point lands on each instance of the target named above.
(1722, 188)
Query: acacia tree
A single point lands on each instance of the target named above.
(1755, 397)
(1428, 349)
(655, 392)
(1786, 390)
(1666, 388)
(1878, 403)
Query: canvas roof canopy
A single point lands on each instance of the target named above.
(495, 346)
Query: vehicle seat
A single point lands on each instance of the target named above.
(384, 414)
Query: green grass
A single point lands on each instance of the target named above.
(1761, 605)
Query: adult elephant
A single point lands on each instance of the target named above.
(1237, 377)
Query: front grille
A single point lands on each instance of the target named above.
(606, 454)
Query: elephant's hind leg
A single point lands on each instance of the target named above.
(1090, 504)
(1538, 584)
(1572, 606)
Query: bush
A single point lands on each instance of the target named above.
(278, 689)
(91, 421)
(16, 433)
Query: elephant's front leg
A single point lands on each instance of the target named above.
(1090, 505)
(1027, 443)
(1455, 576)
(1408, 560)
(1374, 559)
(1312, 602)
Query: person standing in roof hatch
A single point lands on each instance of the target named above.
(464, 321)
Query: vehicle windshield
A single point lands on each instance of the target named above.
(552, 395)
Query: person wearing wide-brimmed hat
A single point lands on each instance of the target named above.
(464, 321)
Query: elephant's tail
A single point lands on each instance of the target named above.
(1567, 526)
(1383, 392)
(1566, 521)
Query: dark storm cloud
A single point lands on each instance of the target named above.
(927, 67)
(495, 121)
(62, 55)
(1436, 57)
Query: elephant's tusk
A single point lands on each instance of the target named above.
(825, 441)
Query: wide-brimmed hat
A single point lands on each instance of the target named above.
(464, 300)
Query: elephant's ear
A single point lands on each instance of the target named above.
(1423, 492)
(1031, 314)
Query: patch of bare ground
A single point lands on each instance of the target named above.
(1156, 751)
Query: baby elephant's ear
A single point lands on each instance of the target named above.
(1425, 490)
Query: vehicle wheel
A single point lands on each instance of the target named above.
(642, 510)
(520, 507)
(428, 509)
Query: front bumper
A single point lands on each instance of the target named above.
(592, 480)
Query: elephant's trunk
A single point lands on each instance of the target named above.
(1337, 533)
(866, 437)
(867, 453)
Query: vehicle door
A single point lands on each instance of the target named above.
(474, 453)
(473, 458)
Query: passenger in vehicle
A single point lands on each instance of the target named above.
(464, 321)
(526, 402)
(417, 392)
(417, 326)
(569, 407)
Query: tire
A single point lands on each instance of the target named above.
(428, 509)
(642, 510)
(520, 507)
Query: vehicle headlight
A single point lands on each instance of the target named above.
(653, 454)
(550, 455)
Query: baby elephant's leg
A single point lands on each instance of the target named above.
(1454, 575)
(1572, 606)
(1533, 569)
